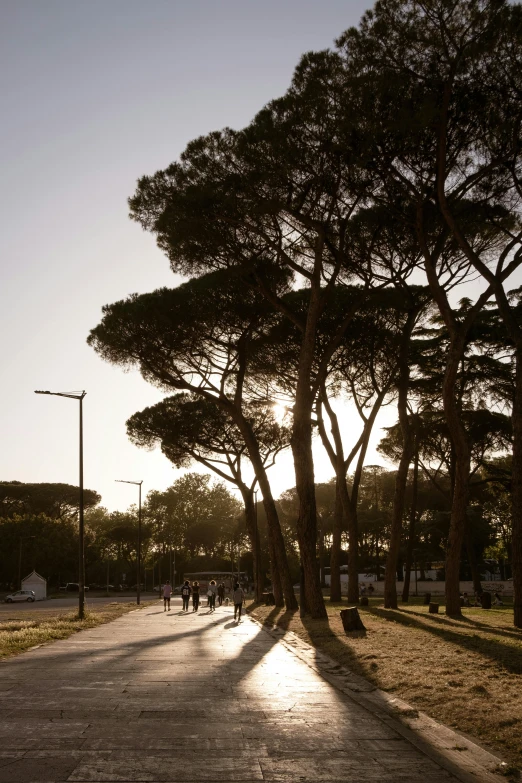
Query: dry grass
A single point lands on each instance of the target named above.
(465, 673)
(31, 628)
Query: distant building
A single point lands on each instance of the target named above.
(37, 584)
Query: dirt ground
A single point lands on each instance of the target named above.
(465, 673)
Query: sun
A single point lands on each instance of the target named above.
(281, 412)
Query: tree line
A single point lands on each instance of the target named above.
(357, 240)
(198, 525)
(200, 521)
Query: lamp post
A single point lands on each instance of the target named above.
(137, 484)
(78, 395)
(257, 557)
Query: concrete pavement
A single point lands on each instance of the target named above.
(157, 696)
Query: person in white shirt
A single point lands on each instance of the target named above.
(238, 596)
(167, 592)
(212, 590)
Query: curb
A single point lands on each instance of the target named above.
(467, 761)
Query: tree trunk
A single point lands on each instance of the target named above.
(401, 479)
(301, 442)
(350, 505)
(253, 534)
(277, 588)
(515, 332)
(350, 515)
(320, 547)
(282, 583)
(516, 485)
(335, 554)
(459, 504)
(472, 558)
(411, 528)
(303, 606)
(275, 578)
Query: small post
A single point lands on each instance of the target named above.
(351, 620)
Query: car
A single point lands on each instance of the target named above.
(74, 587)
(21, 595)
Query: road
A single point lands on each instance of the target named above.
(70, 601)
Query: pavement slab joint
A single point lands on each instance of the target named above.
(182, 698)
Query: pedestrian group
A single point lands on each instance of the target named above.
(214, 591)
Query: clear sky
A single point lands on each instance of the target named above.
(94, 94)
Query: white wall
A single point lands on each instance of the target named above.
(39, 588)
(439, 588)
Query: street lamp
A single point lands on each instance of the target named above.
(137, 484)
(257, 556)
(78, 395)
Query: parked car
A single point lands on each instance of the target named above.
(73, 587)
(96, 586)
(21, 595)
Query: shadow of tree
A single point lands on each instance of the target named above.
(322, 635)
(507, 655)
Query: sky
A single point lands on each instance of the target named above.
(94, 95)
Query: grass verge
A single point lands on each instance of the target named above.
(465, 673)
(18, 634)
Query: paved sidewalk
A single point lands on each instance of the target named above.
(157, 696)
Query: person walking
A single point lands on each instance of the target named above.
(212, 590)
(221, 593)
(185, 594)
(195, 596)
(167, 592)
(238, 596)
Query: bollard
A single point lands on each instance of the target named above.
(427, 599)
(434, 608)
